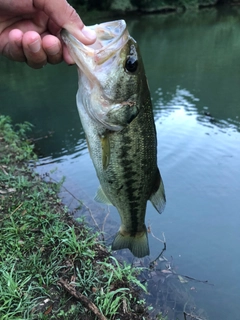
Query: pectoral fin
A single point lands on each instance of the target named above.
(101, 197)
(158, 197)
(105, 151)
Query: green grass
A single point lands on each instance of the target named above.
(41, 247)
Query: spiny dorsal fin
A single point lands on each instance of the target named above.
(158, 197)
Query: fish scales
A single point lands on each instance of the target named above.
(115, 108)
(133, 164)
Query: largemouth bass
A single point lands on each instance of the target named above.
(115, 108)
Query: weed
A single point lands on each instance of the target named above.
(125, 273)
(40, 244)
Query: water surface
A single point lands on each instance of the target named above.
(193, 67)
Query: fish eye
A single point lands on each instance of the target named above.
(131, 64)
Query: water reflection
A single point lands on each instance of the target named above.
(182, 98)
(199, 52)
(168, 102)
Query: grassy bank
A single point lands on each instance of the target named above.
(50, 266)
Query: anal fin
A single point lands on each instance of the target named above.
(101, 197)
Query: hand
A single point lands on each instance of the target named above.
(30, 30)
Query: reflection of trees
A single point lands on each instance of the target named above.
(183, 99)
(46, 98)
(146, 5)
(198, 52)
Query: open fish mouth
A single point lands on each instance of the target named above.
(110, 38)
(95, 63)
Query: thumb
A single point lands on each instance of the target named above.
(65, 16)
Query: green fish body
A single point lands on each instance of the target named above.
(115, 108)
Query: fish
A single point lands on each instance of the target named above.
(115, 109)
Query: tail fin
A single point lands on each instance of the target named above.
(137, 244)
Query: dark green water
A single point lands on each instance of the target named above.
(193, 67)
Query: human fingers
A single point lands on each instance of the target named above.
(13, 49)
(33, 51)
(66, 17)
(50, 44)
(53, 49)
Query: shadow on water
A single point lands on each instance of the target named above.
(192, 64)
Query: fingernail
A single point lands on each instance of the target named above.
(53, 50)
(35, 46)
(89, 33)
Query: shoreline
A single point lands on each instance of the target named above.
(57, 268)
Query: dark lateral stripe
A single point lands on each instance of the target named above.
(137, 157)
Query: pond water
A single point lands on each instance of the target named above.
(193, 68)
